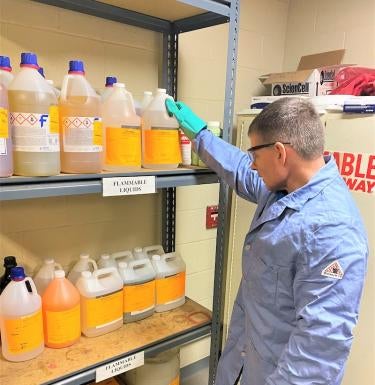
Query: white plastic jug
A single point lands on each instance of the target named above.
(6, 75)
(147, 99)
(34, 121)
(160, 135)
(122, 256)
(122, 131)
(81, 126)
(101, 301)
(106, 260)
(21, 321)
(46, 274)
(139, 289)
(153, 249)
(163, 369)
(85, 263)
(170, 272)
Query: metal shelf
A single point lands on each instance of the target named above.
(77, 364)
(166, 16)
(65, 184)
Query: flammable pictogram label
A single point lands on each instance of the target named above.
(333, 270)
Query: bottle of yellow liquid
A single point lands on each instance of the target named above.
(34, 122)
(160, 135)
(122, 131)
(81, 128)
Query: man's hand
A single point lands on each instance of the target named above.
(190, 123)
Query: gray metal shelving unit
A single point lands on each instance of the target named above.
(187, 15)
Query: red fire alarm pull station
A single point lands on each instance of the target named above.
(212, 213)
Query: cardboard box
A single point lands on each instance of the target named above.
(314, 76)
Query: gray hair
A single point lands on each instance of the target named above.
(293, 120)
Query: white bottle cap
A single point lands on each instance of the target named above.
(49, 261)
(138, 249)
(147, 93)
(119, 85)
(105, 256)
(162, 91)
(49, 81)
(156, 257)
(59, 273)
(86, 274)
(84, 256)
(122, 265)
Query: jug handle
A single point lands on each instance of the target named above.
(104, 271)
(169, 256)
(64, 86)
(93, 263)
(153, 248)
(32, 285)
(126, 253)
(59, 267)
(139, 263)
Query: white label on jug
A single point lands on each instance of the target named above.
(82, 134)
(129, 185)
(3, 147)
(31, 133)
(120, 366)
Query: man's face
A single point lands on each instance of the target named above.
(266, 161)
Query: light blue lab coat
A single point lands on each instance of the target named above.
(291, 324)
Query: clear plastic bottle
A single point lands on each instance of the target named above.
(9, 263)
(6, 148)
(109, 82)
(122, 131)
(61, 312)
(6, 75)
(139, 289)
(85, 263)
(147, 99)
(101, 301)
(81, 127)
(55, 90)
(34, 122)
(170, 272)
(21, 321)
(45, 274)
(160, 135)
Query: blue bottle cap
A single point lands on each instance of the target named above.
(110, 81)
(41, 71)
(5, 63)
(29, 59)
(76, 66)
(17, 273)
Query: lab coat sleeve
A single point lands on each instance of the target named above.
(230, 163)
(326, 307)
(231, 360)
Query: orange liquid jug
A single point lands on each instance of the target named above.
(61, 312)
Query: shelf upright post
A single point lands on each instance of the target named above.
(169, 81)
(224, 200)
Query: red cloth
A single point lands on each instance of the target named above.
(357, 81)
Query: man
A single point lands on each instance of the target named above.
(304, 257)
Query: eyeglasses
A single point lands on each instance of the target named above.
(251, 150)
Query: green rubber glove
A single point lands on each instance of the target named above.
(190, 123)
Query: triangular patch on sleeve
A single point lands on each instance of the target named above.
(333, 270)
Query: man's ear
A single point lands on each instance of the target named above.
(281, 152)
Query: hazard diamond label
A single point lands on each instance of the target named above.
(333, 270)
